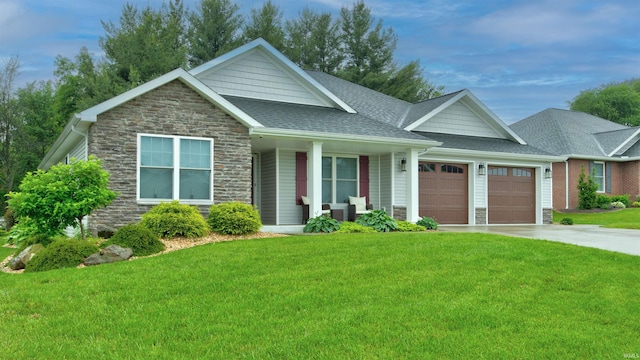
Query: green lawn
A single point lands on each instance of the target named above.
(624, 219)
(352, 296)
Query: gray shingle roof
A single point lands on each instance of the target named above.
(317, 119)
(450, 141)
(565, 132)
(610, 140)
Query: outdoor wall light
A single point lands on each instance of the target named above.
(481, 169)
(547, 173)
(403, 164)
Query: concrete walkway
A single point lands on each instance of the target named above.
(620, 240)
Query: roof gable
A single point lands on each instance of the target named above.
(258, 71)
(459, 113)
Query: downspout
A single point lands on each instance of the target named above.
(566, 184)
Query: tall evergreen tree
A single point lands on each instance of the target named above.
(266, 23)
(8, 123)
(214, 29)
(313, 41)
(146, 44)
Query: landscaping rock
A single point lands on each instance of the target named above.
(111, 253)
(20, 261)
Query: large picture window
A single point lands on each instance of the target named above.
(598, 175)
(339, 178)
(174, 168)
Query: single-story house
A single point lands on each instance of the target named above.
(608, 150)
(252, 126)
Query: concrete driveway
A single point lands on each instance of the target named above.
(619, 240)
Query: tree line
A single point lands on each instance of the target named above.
(148, 42)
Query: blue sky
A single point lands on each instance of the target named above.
(518, 57)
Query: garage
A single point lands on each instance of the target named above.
(444, 192)
(512, 195)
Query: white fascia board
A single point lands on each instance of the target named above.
(91, 114)
(624, 144)
(277, 55)
(602, 158)
(494, 155)
(435, 111)
(325, 136)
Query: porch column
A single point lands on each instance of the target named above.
(413, 191)
(314, 187)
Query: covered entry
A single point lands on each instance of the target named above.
(444, 192)
(512, 195)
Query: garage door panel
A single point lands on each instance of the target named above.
(444, 192)
(511, 195)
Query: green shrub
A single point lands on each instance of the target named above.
(428, 223)
(618, 205)
(172, 219)
(351, 227)
(321, 223)
(234, 218)
(379, 220)
(625, 199)
(26, 233)
(138, 238)
(587, 191)
(602, 201)
(406, 226)
(61, 253)
(566, 221)
(636, 204)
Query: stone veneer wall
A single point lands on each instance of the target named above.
(547, 216)
(400, 212)
(172, 109)
(481, 216)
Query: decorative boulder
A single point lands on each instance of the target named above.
(111, 253)
(20, 261)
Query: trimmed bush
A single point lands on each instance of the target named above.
(636, 204)
(320, 224)
(138, 238)
(566, 221)
(625, 199)
(61, 253)
(406, 226)
(379, 220)
(234, 218)
(618, 205)
(351, 227)
(428, 223)
(603, 202)
(172, 219)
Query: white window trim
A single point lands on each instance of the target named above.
(334, 172)
(176, 173)
(604, 176)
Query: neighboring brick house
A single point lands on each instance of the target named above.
(254, 127)
(608, 149)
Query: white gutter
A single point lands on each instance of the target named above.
(603, 158)
(496, 155)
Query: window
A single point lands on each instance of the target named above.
(427, 167)
(598, 175)
(175, 168)
(521, 172)
(339, 178)
(451, 169)
(496, 171)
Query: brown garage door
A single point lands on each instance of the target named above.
(512, 195)
(444, 192)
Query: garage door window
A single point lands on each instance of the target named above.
(451, 169)
(521, 172)
(427, 168)
(498, 172)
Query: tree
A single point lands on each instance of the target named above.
(146, 44)
(8, 121)
(214, 28)
(63, 195)
(313, 41)
(266, 23)
(617, 102)
(587, 191)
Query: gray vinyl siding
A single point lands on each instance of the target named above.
(79, 152)
(268, 188)
(461, 120)
(400, 181)
(290, 213)
(374, 181)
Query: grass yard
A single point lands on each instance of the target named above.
(623, 219)
(352, 296)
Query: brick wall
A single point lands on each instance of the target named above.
(172, 109)
(625, 179)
